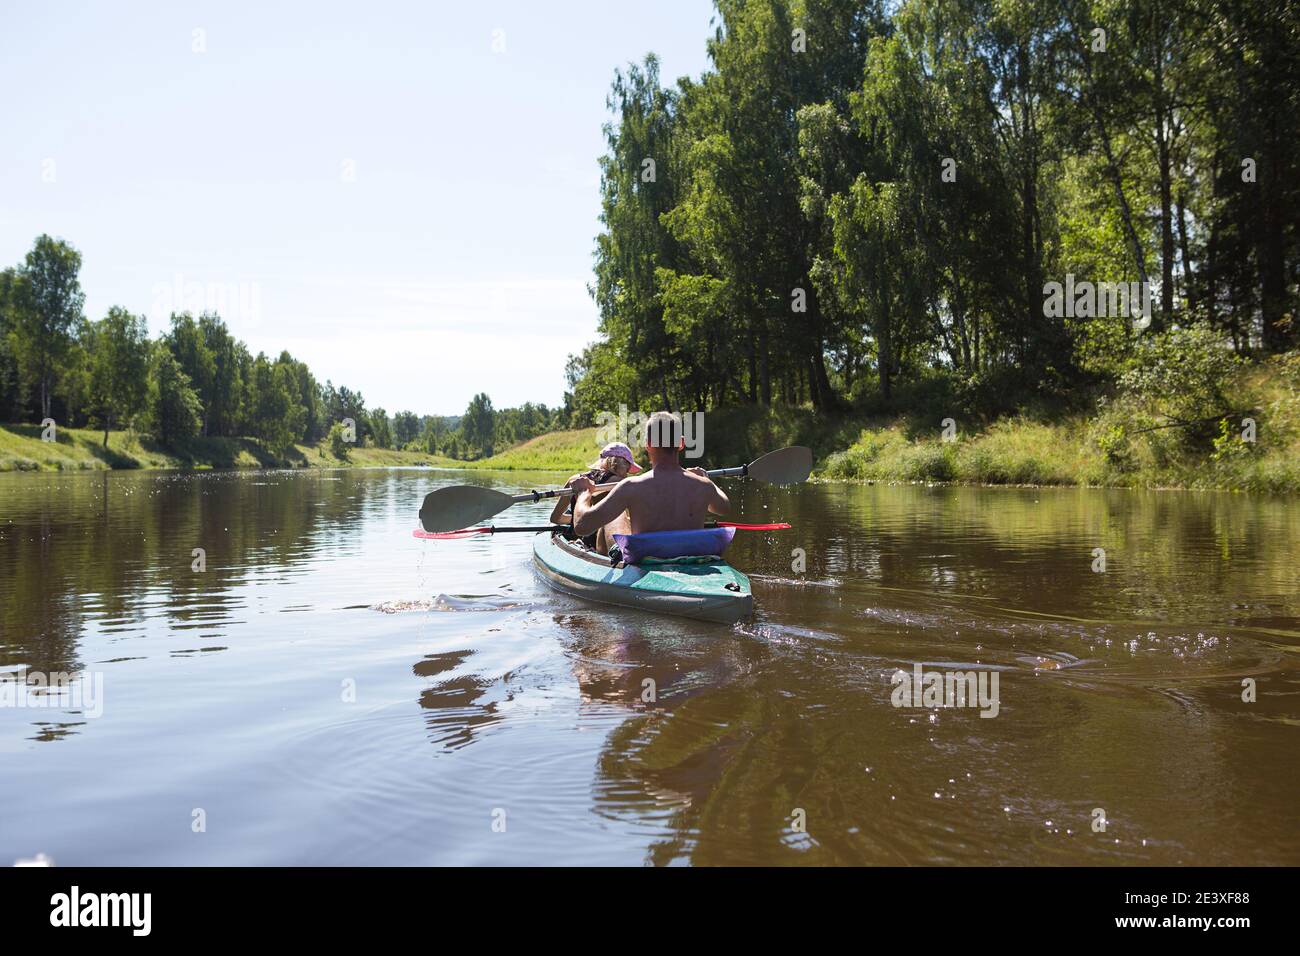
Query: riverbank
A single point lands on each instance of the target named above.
(1113, 447)
(82, 449)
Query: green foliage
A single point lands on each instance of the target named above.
(338, 443)
(276, 417)
(406, 428)
(175, 407)
(887, 205)
(478, 425)
(10, 385)
(381, 435)
(117, 388)
(230, 362)
(44, 307)
(1182, 378)
(343, 403)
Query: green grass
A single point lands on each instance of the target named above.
(1085, 450)
(567, 451)
(1098, 449)
(76, 449)
(81, 449)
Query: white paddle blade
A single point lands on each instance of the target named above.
(785, 466)
(459, 506)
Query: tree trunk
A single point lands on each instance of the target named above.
(1166, 202)
(1269, 251)
(1188, 287)
(753, 366)
(884, 343)
(819, 383)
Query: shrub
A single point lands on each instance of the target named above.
(1183, 376)
(338, 446)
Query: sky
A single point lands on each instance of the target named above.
(404, 195)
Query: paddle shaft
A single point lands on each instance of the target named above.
(494, 529)
(738, 472)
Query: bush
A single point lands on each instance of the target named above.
(338, 445)
(929, 463)
(1183, 376)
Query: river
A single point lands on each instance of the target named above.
(316, 686)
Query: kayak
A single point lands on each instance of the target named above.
(709, 591)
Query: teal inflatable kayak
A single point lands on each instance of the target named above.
(712, 591)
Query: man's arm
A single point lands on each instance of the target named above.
(719, 503)
(588, 517)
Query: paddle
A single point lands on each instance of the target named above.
(490, 529)
(459, 506)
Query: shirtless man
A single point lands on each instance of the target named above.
(666, 498)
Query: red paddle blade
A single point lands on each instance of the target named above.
(776, 526)
(443, 535)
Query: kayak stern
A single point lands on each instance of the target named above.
(714, 591)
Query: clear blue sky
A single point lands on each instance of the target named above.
(456, 258)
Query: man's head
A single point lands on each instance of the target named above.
(663, 438)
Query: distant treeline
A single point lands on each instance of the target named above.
(864, 201)
(199, 380)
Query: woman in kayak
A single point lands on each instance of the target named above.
(614, 464)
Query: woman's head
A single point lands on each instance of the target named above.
(616, 457)
(616, 465)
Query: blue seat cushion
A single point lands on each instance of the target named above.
(673, 544)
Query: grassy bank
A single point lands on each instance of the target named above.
(1113, 447)
(79, 449)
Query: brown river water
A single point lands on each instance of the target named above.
(330, 690)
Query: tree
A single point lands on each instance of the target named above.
(10, 390)
(117, 381)
(276, 417)
(479, 425)
(406, 428)
(308, 395)
(175, 408)
(344, 403)
(229, 359)
(189, 346)
(434, 436)
(380, 433)
(48, 306)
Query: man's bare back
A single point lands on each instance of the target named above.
(667, 498)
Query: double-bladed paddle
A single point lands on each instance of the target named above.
(457, 507)
(535, 529)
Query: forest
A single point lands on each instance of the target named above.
(868, 206)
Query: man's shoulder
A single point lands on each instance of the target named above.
(634, 483)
